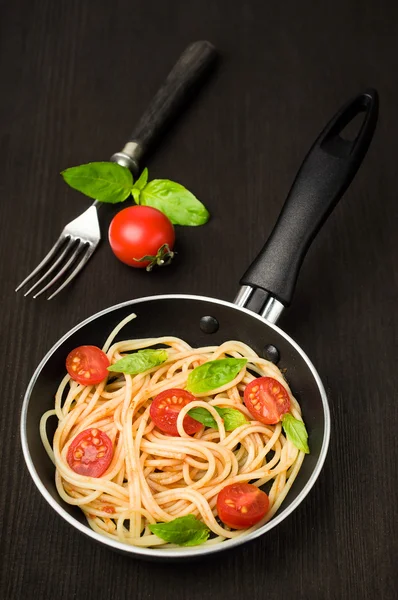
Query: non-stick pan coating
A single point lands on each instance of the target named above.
(177, 316)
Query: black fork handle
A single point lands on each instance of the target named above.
(194, 63)
(324, 176)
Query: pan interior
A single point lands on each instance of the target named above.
(177, 316)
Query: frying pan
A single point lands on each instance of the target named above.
(266, 288)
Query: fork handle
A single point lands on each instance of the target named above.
(192, 65)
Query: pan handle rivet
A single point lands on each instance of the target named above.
(209, 324)
(271, 353)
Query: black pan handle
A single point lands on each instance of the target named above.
(324, 176)
(187, 73)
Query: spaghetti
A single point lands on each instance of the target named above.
(154, 477)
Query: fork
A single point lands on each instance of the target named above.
(79, 238)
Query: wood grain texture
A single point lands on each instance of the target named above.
(75, 76)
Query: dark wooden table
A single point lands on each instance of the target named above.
(75, 75)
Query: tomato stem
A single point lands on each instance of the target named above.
(162, 258)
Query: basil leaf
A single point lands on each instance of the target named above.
(103, 181)
(139, 361)
(175, 201)
(296, 432)
(142, 180)
(232, 417)
(213, 374)
(139, 185)
(203, 416)
(184, 531)
(136, 195)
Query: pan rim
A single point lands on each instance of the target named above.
(174, 553)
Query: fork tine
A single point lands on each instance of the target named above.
(81, 264)
(45, 260)
(62, 271)
(53, 266)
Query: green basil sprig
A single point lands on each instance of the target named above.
(112, 183)
(232, 417)
(213, 374)
(184, 531)
(139, 361)
(296, 432)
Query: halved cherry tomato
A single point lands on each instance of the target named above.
(90, 453)
(267, 400)
(87, 365)
(165, 408)
(241, 505)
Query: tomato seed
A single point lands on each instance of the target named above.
(244, 509)
(255, 388)
(94, 432)
(96, 441)
(78, 454)
(100, 454)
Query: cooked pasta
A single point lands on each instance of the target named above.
(155, 477)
